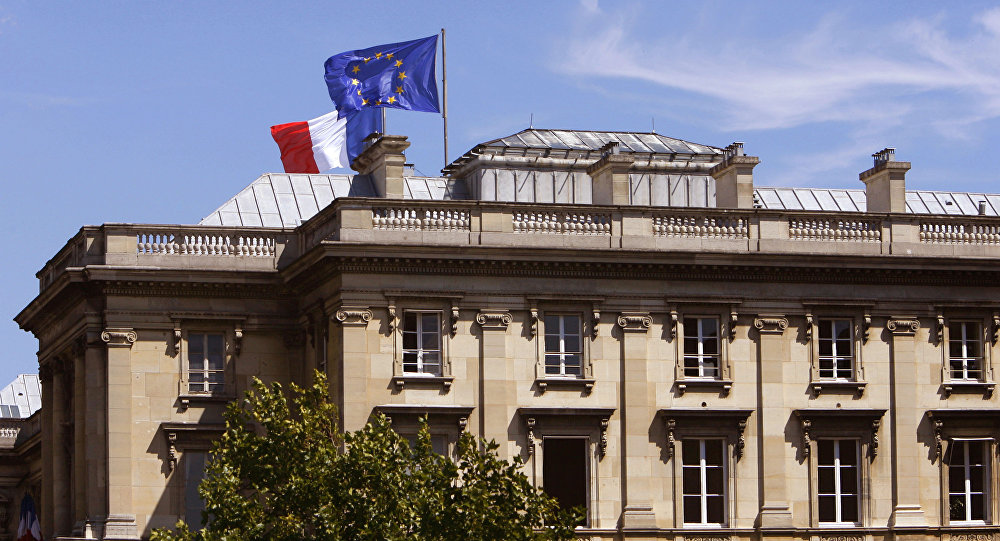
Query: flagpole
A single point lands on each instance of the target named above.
(444, 86)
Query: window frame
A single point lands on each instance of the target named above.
(726, 317)
(562, 353)
(986, 383)
(858, 326)
(420, 350)
(585, 379)
(988, 488)
(956, 425)
(838, 494)
(448, 319)
(231, 337)
(703, 469)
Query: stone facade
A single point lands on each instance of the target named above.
(637, 333)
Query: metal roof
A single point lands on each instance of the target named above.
(649, 143)
(287, 200)
(917, 202)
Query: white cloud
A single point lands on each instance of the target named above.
(836, 70)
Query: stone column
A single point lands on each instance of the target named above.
(772, 354)
(354, 369)
(904, 416)
(495, 391)
(637, 410)
(95, 376)
(46, 508)
(120, 522)
(79, 437)
(60, 494)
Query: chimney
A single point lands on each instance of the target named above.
(885, 182)
(610, 174)
(384, 161)
(734, 178)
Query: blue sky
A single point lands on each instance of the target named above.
(157, 112)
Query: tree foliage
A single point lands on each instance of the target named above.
(283, 470)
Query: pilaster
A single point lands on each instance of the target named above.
(496, 392)
(352, 322)
(637, 410)
(121, 523)
(95, 376)
(904, 417)
(772, 354)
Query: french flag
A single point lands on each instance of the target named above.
(28, 528)
(327, 142)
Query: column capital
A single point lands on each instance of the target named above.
(494, 319)
(770, 323)
(905, 325)
(119, 337)
(635, 321)
(353, 315)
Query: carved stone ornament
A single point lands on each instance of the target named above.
(603, 446)
(454, 319)
(939, 330)
(635, 321)
(119, 337)
(393, 317)
(995, 328)
(353, 315)
(533, 316)
(866, 325)
(530, 422)
(703, 537)
(806, 436)
(846, 538)
(770, 324)
(671, 426)
(874, 446)
(809, 327)
(595, 323)
(494, 320)
(973, 537)
(903, 325)
(237, 340)
(672, 333)
(734, 318)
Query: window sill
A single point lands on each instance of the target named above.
(185, 400)
(415, 380)
(818, 386)
(586, 383)
(719, 385)
(985, 388)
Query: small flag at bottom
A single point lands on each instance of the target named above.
(28, 528)
(324, 143)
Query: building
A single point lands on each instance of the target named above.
(685, 354)
(20, 448)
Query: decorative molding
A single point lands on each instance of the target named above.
(939, 329)
(463, 422)
(806, 437)
(973, 537)
(770, 324)
(938, 428)
(393, 320)
(672, 333)
(845, 538)
(595, 322)
(874, 445)
(995, 328)
(530, 422)
(810, 321)
(670, 425)
(741, 438)
(704, 537)
(734, 318)
(353, 315)
(237, 340)
(603, 446)
(171, 450)
(494, 320)
(455, 315)
(178, 335)
(902, 325)
(533, 316)
(635, 321)
(866, 325)
(119, 337)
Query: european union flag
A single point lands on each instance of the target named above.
(399, 75)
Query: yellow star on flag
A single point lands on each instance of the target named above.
(399, 63)
(367, 59)
(364, 101)
(392, 99)
(359, 91)
(399, 90)
(378, 102)
(402, 75)
(355, 82)
(388, 56)
(356, 69)
(378, 55)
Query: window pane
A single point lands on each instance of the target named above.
(825, 347)
(716, 506)
(848, 481)
(709, 327)
(843, 330)
(691, 345)
(692, 481)
(572, 343)
(827, 509)
(571, 324)
(978, 507)
(955, 347)
(573, 364)
(956, 506)
(972, 349)
(975, 452)
(692, 509)
(710, 346)
(551, 343)
(430, 340)
(849, 509)
(825, 331)
(552, 364)
(976, 478)
(214, 361)
(825, 448)
(848, 452)
(691, 452)
(410, 321)
(216, 344)
(429, 321)
(713, 452)
(409, 340)
(196, 344)
(827, 482)
(956, 476)
(552, 325)
(714, 482)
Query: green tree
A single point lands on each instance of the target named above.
(285, 471)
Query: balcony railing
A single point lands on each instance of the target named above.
(480, 223)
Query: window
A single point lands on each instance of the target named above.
(837, 470)
(836, 349)
(701, 347)
(194, 472)
(564, 471)
(968, 481)
(422, 343)
(965, 350)
(704, 482)
(563, 345)
(206, 359)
